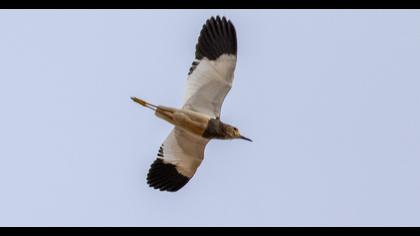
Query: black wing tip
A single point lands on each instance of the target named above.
(217, 37)
(165, 177)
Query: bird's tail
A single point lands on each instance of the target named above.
(144, 103)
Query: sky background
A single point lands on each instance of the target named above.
(330, 98)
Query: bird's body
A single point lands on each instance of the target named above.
(198, 121)
(194, 122)
(188, 120)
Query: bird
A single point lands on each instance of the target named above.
(209, 80)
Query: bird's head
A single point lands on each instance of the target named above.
(233, 133)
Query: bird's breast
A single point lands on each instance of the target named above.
(214, 129)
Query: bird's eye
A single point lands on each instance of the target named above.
(235, 129)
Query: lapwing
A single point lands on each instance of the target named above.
(198, 121)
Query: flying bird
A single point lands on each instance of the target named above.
(198, 121)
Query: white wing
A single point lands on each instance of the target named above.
(178, 158)
(211, 74)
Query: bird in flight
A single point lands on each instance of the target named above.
(198, 121)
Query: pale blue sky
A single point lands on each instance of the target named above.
(330, 98)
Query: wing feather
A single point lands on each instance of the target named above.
(177, 160)
(211, 73)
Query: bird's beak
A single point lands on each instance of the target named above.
(247, 139)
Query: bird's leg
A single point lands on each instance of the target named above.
(166, 113)
(144, 103)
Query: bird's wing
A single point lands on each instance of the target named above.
(177, 160)
(211, 74)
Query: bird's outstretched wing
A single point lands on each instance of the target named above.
(211, 73)
(177, 160)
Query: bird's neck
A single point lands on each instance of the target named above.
(215, 129)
